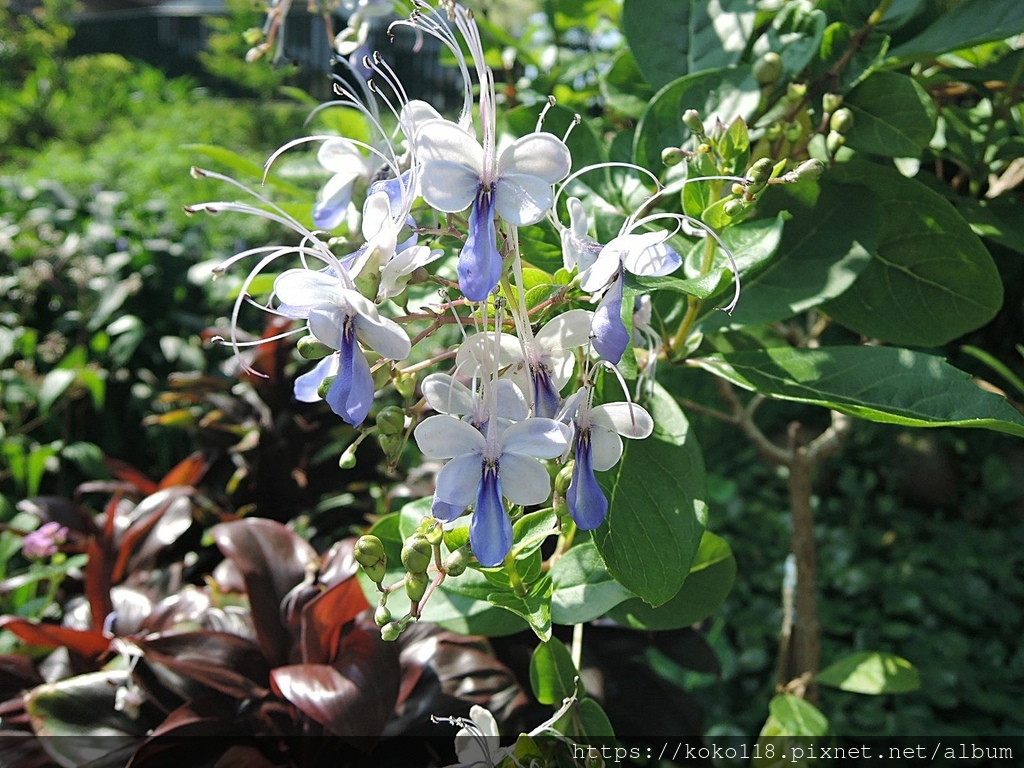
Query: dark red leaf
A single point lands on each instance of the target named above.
(97, 582)
(187, 472)
(90, 643)
(124, 471)
(17, 673)
(272, 560)
(324, 618)
(224, 662)
(144, 517)
(60, 510)
(338, 563)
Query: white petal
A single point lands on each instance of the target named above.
(383, 335)
(607, 448)
(337, 192)
(521, 199)
(524, 480)
(414, 115)
(560, 366)
(328, 325)
(452, 165)
(543, 438)
(458, 480)
(449, 187)
(341, 156)
(476, 355)
(631, 421)
(304, 289)
(648, 254)
(511, 403)
(567, 331)
(307, 384)
(578, 223)
(377, 215)
(444, 436)
(446, 395)
(542, 155)
(601, 271)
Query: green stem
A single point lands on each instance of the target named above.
(513, 575)
(694, 304)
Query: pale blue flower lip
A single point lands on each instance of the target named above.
(351, 394)
(490, 532)
(545, 397)
(610, 334)
(479, 262)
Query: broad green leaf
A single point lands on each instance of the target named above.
(623, 86)
(790, 715)
(584, 590)
(930, 279)
(968, 24)
(530, 531)
(657, 33)
(657, 506)
(552, 673)
(592, 723)
(701, 287)
(998, 220)
(718, 93)
(55, 384)
(884, 384)
(871, 672)
(253, 172)
(795, 34)
(836, 46)
(534, 606)
(824, 248)
(719, 30)
(893, 116)
(703, 592)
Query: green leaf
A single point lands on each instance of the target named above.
(530, 531)
(591, 724)
(534, 606)
(657, 506)
(968, 24)
(55, 384)
(998, 220)
(703, 592)
(824, 248)
(796, 34)
(931, 278)
(552, 673)
(893, 116)
(701, 287)
(657, 33)
(790, 715)
(871, 672)
(584, 590)
(623, 86)
(884, 384)
(719, 30)
(718, 93)
(246, 168)
(836, 45)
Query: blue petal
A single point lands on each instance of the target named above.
(490, 532)
(307, 384)
(444, 511)
(351, 394)
(327, 214)
(587, 503)
(546, 399)
(480, 263)
(394, 188)
(610, 334)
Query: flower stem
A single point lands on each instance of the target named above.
(513, 575)
(694, 304)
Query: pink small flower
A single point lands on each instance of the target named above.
(43, 542)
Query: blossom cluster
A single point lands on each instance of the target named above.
(519, 400)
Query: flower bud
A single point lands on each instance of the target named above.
(406, 385)
(792, 131)
(391, 420)
(381, 616)
(834, 141)
(672, 156)
(733, 208)
(416, 585)
(456, 562)
(773, 131)
(758, 175)
(830, 102)
(416, 554)
(841, 120)
(390, 632)
(768, 69)
(375, 573)
(704, 148)
(347, 460)
(796, 91)
(325, 386)
(809, 170)
(691, 118)
(434, 533)
(738, 189)
(311, 348)
(564, 478)
(390, 444)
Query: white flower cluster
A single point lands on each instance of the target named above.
(513, 400)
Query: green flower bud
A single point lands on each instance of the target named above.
(406, 385)
(375, 573)
(691, 118)
(564, 477)
(348, 458)
(390, 632)
(768, 69)
(809, 169)
(758, 175)
(796, 91)
(672, 156)
(792, 131)
(416, 585)
(325, 386)
(841, 120)
(830, 102)
(733, 208)
(773, 131)
(369, 550)
(704, 149)
(456, 562)
(738, 189)
(391, 420)
(834, 141)
(381, 616)
(311, 348)
(434, 533)
(417, 553)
